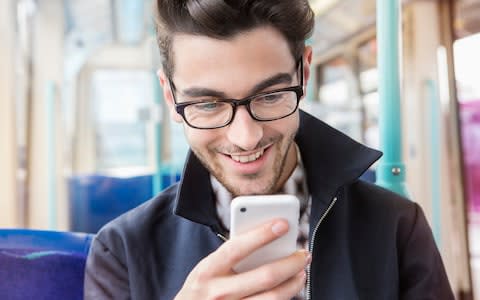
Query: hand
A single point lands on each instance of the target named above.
(213, 277)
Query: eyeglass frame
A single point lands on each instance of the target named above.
(235, 103)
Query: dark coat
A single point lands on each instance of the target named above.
(371, 243)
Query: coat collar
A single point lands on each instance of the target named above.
(331, 160)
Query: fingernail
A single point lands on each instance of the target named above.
(307, 255)
(308, 259)
(302, 275)
(279, 228)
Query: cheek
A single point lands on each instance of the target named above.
(198, 139)
(288, 126)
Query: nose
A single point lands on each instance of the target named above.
(244, 131)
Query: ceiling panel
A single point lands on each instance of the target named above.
(342, 20)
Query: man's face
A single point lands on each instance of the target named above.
(247, 156)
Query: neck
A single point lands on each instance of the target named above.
(289, 165)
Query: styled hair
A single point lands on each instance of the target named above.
(223, 19)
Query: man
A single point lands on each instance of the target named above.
(233, 74)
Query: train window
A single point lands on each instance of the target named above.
(338, 100)
(467, 64)
(367, 60)
(368, 78)
(348, 92)
(118, 98)
(334, 88)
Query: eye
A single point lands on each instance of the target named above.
(273, 97)
(270, 98)
(209, 106)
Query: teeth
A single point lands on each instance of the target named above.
(247, 158)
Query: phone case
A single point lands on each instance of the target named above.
(248, 212)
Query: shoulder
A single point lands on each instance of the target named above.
(368, 201)
(373, 197)
(397, 214)
(391, 221)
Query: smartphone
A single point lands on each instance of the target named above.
(248, 212)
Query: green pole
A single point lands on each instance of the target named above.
(391, 169)
(157, 95)
(51, 156)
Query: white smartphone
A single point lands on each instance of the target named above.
(247, 212)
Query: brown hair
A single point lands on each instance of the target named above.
(223, 19)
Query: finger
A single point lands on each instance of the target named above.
(265, 277)
(286, 290)
(236, 249)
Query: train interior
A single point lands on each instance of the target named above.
(87, 136)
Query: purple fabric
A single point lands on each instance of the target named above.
(41, 275)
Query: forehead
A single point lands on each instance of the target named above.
(240, 62)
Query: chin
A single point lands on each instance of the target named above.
(249, 187)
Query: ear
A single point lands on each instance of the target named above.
(168, 96)
(307, 61)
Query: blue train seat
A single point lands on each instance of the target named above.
(95, 199)
(40, 265)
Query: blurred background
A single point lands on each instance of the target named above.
(85, 136)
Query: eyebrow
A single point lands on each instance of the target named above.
(274, 80)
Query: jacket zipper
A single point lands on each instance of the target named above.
(309, 280)
(222, 237)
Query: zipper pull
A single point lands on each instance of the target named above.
(220, 232)
(222, 237)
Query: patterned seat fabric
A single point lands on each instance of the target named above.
(42, 264)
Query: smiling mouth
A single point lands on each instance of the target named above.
(247, 158)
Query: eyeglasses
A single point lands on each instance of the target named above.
(217, 113)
